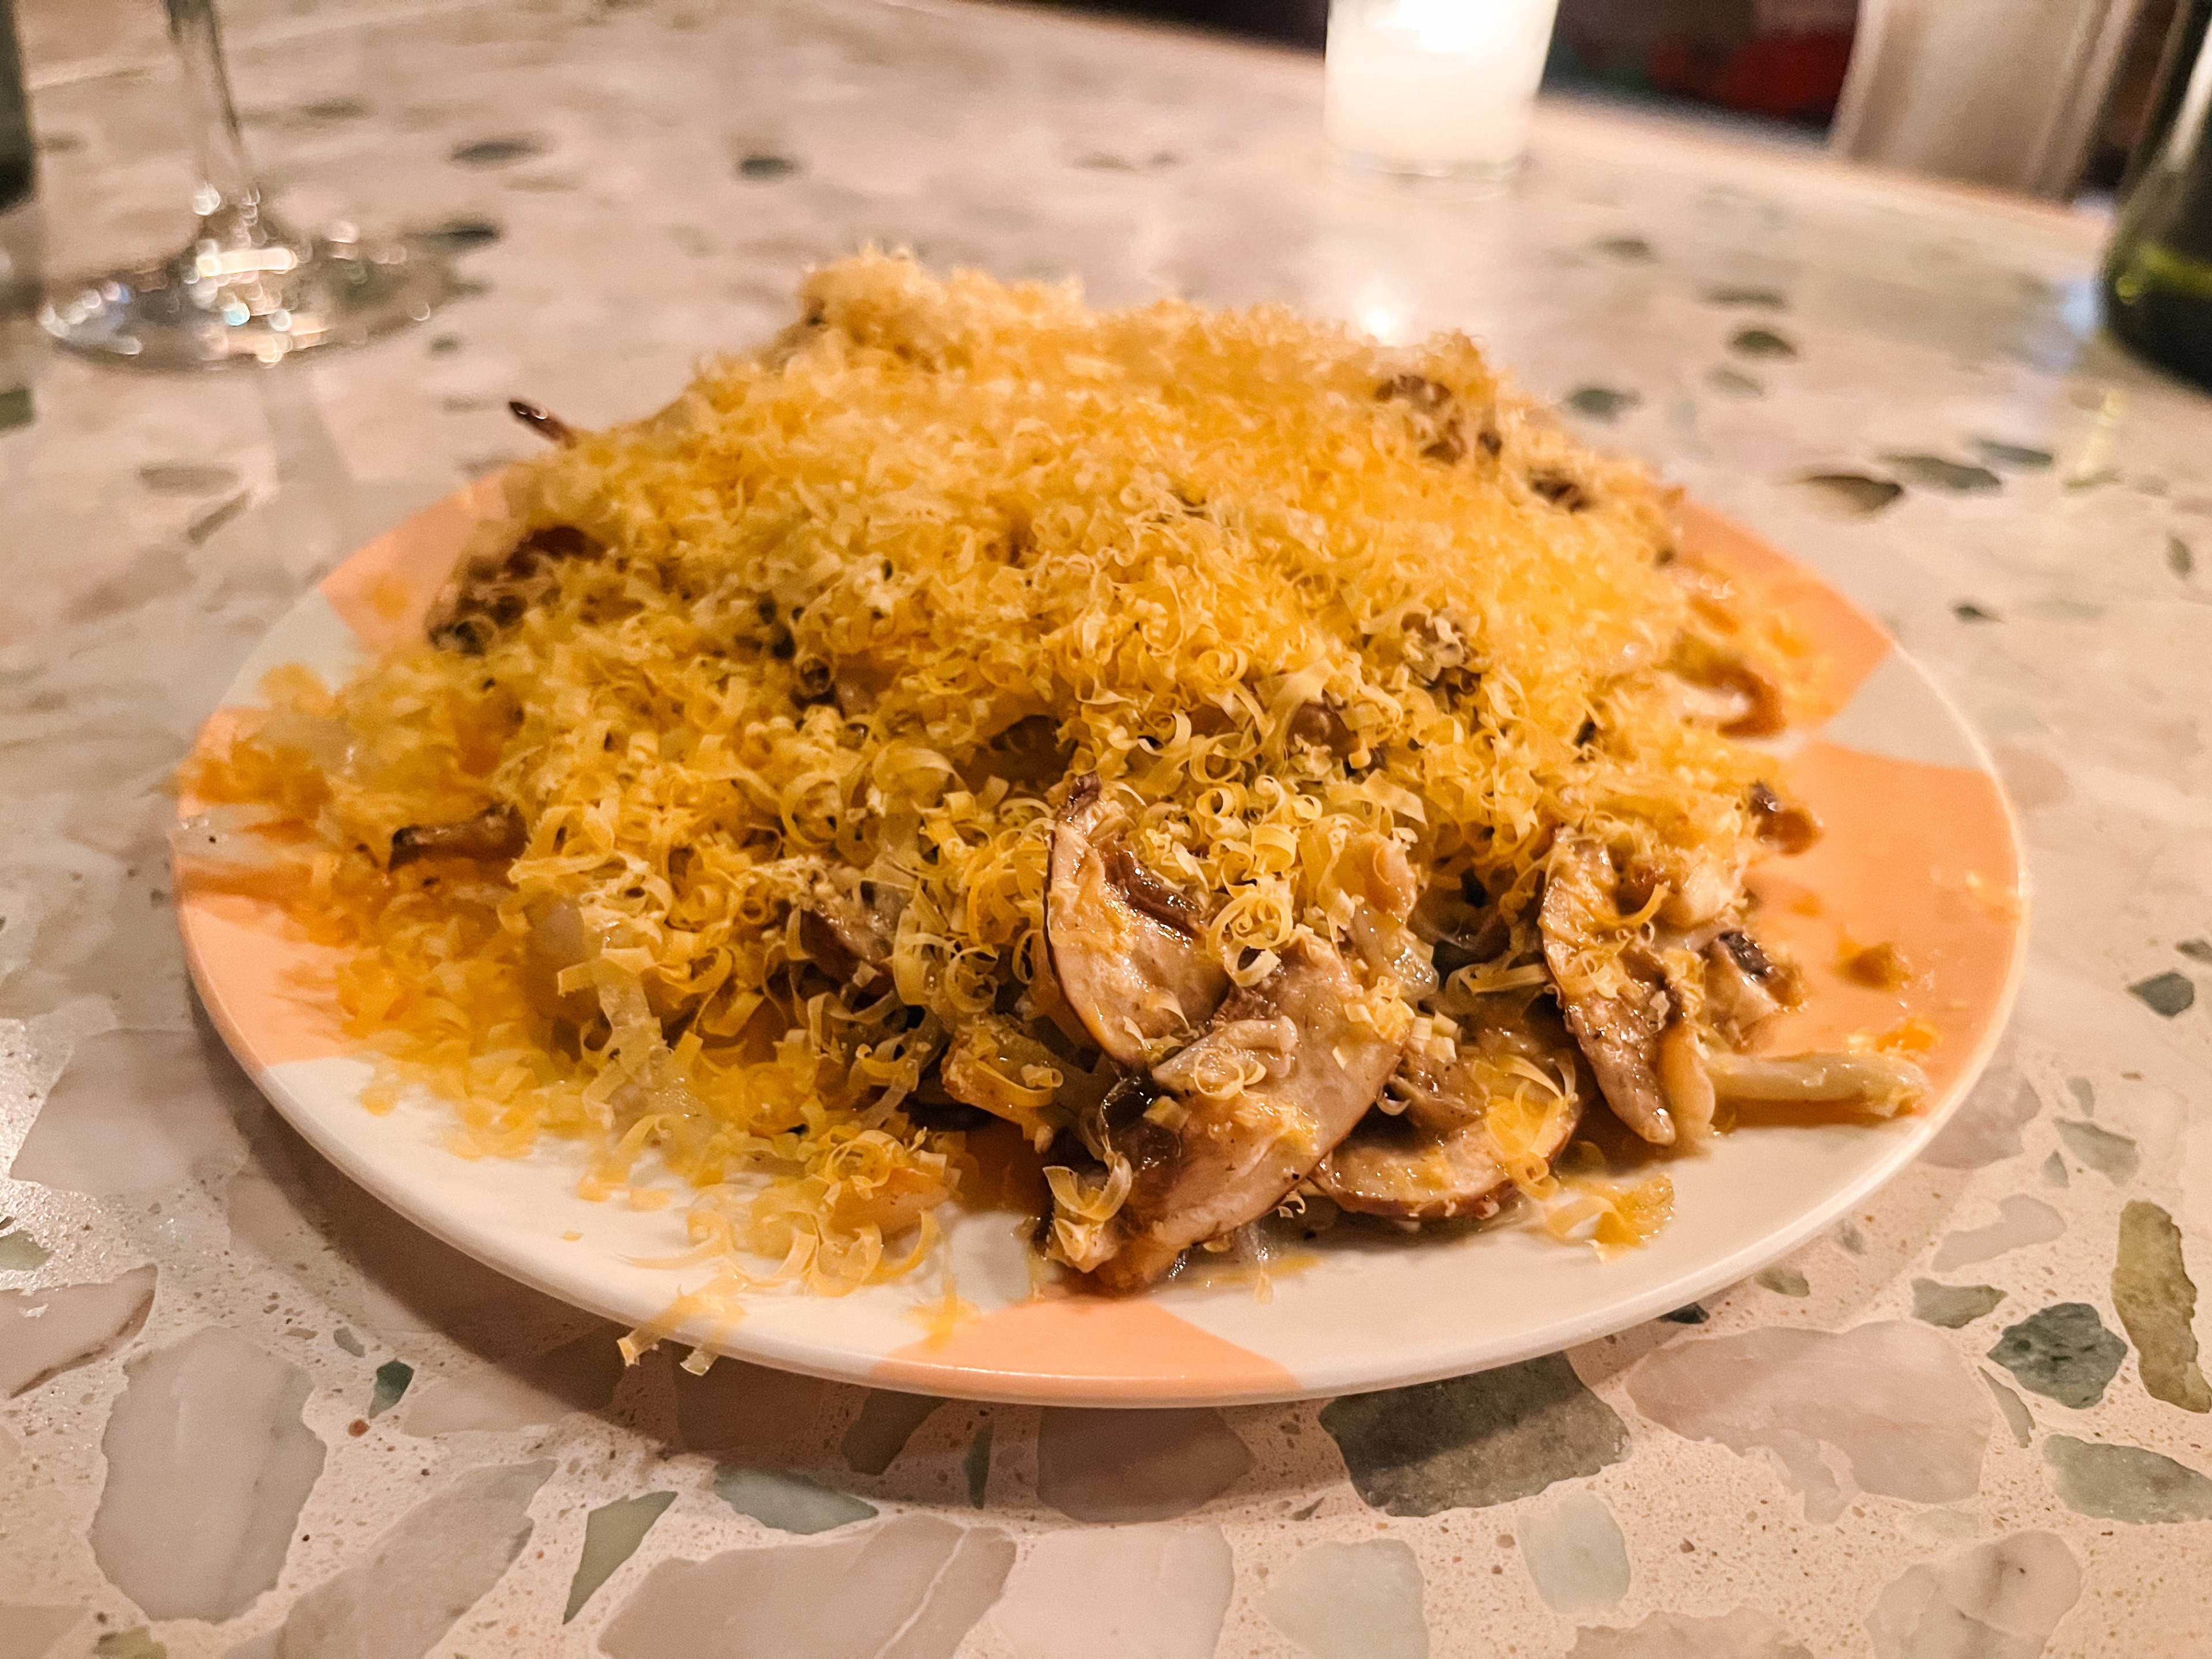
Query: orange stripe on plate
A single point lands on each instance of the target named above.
(384, 590)
(268, 987)
(1920, 857)
(1849, 644)
(1072, 1344)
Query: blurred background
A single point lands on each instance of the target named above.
(2047, 98)
(1784, 62)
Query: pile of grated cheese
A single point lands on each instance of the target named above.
(860, 602)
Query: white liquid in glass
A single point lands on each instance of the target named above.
(1435, 86)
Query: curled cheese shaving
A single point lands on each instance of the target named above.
(1085, 1203)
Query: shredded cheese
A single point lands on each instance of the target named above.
(848, 611)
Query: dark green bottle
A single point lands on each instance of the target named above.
(18, 159)
(2158, 277)
(21, 234)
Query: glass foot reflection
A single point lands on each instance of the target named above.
(257, 297)
(247, 289)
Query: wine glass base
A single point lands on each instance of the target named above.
(204, 310)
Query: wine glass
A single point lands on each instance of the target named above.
(248, 288)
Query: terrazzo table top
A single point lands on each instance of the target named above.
(245, 1411)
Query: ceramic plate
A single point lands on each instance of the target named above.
(1921, 851)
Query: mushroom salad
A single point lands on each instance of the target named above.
(1239, 766)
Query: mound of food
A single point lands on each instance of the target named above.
(1262, 766)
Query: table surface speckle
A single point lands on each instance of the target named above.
(245, 1410)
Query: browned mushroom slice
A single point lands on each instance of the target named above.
(841, 936)
(1758, 706)
(1693, 894)
(1439, 650)
(1386, 945)
(1027, 754)
(1743, 985)
(1562, 490)
(1144, 887)
(542, 421)
(496, 835)
(1618, 1028)
(1462, 926)
(1686, 1081)
(1416, 1169)
(1325, 728)
(1279, 1077)
(1786, 824)
(1438, 1158)
(1437, 416)
(1123, 942)
(490, 594)
(1427, 396)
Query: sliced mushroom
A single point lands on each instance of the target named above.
(1387, 946)
(841, 936)
(490, 594)
(1124, 944)
(1719, 707)
(1438, 651)
(1247, 1032)
(1279, 1078)
(1436, 416)
(1619, 1031)
(1879, 1084)
(1563, 491)
(1743, 985)
(542, 421)
(1151, 892)
(1028, 755)
(1786, 824)
(1325, 728)
(1760, 708)
(1686, 1081)
(1461, 927)
(1437, 1159)
(1427, 396)
(1418, 1171)
(1693, 893)
(857, 684)
(496, 835)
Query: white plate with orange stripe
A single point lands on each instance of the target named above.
(1921, 851)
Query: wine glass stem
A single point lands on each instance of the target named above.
(229, 194)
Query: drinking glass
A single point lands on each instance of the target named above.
(1436, 88)
(247, 287)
